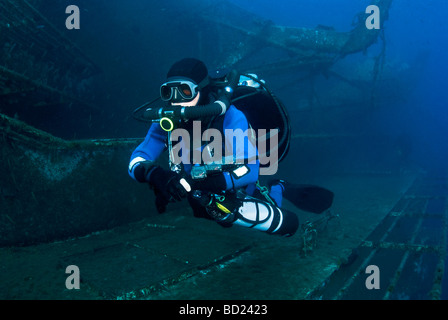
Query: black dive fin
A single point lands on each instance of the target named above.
(308, 197)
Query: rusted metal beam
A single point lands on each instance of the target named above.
(307, 47)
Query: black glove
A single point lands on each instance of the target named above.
(168, 184)
(161, 201)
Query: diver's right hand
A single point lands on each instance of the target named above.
(168, 183)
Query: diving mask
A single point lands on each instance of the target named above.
(181, 90)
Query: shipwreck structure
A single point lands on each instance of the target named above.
(54, 186)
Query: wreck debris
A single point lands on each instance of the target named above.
(52, 188)
(40, 68)
(38, 64)
(54, 172)
(306, 47)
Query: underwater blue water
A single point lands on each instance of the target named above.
(414, 29)
(417, 27)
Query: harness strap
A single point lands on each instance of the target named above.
(265, 192)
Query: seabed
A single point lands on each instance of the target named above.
(394, 221)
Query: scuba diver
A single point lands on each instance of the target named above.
(225, 191)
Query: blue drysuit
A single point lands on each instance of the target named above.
(156, 139)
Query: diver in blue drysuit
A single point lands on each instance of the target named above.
(187, 85)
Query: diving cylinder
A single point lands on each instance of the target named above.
(263, 216)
